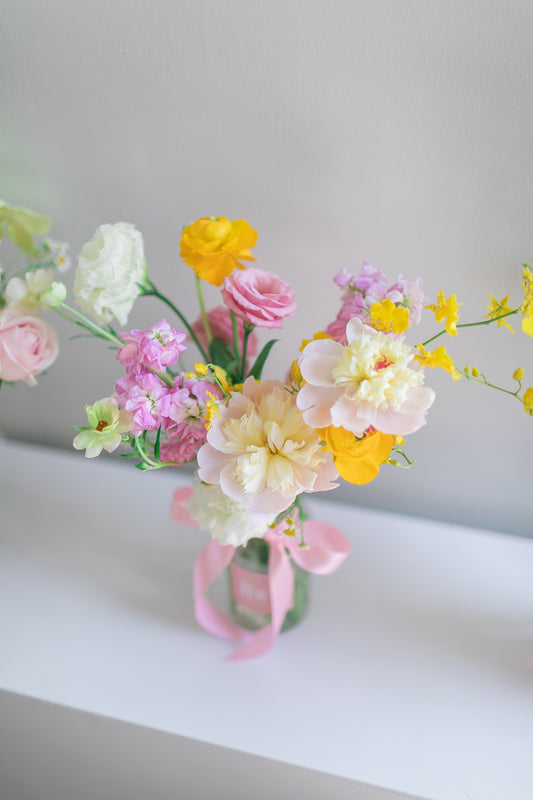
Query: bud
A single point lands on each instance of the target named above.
(528, 400)
(475, 372)
(55, 295)
(518, 374)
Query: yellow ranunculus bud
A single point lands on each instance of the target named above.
(518, 374)
(214, 246)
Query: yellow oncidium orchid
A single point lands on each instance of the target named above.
(527, 305)
(447, 310)
(528, 400)
(437, 358)
(387, 317)
(318, 335)
(357, 460)
(498, 307)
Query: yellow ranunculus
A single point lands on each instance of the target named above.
(357, 460)
(214, 246)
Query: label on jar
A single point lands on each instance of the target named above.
(250, 589)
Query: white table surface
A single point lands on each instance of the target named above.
(413, 672)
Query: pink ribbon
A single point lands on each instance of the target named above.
(325, 551)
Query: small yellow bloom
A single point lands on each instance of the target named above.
(214, 246)
(222, 377)
(528, 400)
(212, 408)
(358, 460)
(437, 358)
(201, 369)
(475, 372)
(318, 335)
(296, 379)
(446, 309)
(398, 440)
(527, 305)
(518, 374)
(498, 307)
(387, 317)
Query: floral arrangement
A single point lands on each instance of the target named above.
(28, 343)
(343, 408)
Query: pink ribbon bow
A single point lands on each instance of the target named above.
(326, 550)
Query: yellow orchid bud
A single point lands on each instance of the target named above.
(518, 374)
(475, 372)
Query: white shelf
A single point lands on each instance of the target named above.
(411, 674)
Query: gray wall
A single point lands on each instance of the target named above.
(395, 132)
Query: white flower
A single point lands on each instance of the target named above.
(109, 268)
(34, 289)
(57, 253)
(226, 521)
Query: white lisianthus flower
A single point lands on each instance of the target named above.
(110, 267)
(227, 522)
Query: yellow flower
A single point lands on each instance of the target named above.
(527, 305)
(497, 308)
(528, 400)
(518, 374)
(295, 379)
(357, 460)
(214, 246)
(201, 369)
(212, 408)
(446, 310)
(222, 378)
(437, 358)
(387, 317)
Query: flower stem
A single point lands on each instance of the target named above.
(247, 332)
(201, 303)
(151, 291)
(472, 325)
(235, 334)
(102, 333)
(482, 380)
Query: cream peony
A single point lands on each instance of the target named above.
(228, 522)
(110, 267)
(261, 452)
(372, 381)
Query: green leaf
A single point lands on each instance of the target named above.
(221, 353)
(142, 466)
(257, 368)
(157, 445)
(20, 237)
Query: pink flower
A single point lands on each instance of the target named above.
(372, 381)
(145, 396)
(219, 319)
(156, 348)
(259, 298)
(186, 404)
(28, 345)
(184, 444)
(261, 452)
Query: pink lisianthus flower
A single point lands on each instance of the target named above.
(155, 348)
(261, 452)
(259, 298)
(28, 345)
(219, 319)
(372, 381)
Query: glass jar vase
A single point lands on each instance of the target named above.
(249, 591)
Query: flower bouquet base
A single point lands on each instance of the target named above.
(250, 601)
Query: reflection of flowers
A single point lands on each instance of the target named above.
(110, 267)
(28, 345)
(259, 297)
(214, 246)
(261, 452)
(229, 522)
(370, 382)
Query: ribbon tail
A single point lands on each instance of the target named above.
(327, 548)
(281, 586)
(210, 563)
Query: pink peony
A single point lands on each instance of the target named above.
(261, 452)
(28, 345)
(372, 381)
(219, 319)
(259, 298)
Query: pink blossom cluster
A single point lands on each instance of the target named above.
(156, 348)
(370, 286)
(179, 408)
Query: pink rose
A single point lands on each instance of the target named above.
(220, 323)
(28, 345)
(259, 297)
